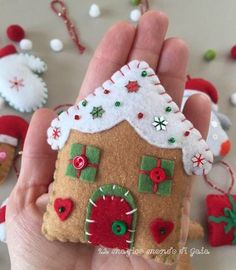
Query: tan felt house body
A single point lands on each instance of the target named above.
(113, 185)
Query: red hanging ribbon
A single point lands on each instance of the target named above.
(209, 182)
(59, 8)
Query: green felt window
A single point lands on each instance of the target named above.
(89, 170)
(145, 182)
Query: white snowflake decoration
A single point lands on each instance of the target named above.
(160, 123)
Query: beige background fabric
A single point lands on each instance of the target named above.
(203, 24)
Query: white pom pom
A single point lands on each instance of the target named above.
(94, 11)
(56, 45)
(135, 15)
(233, 99)
(26, 44)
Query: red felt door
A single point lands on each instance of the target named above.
(111, 224)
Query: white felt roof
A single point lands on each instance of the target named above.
(151, 100)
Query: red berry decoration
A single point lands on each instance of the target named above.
(15, 32)
(233, 52)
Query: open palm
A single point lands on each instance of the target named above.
(28, 248)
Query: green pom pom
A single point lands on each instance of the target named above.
(135, 2)
(210, 55)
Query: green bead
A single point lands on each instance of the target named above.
(168, 109)
(118, 103)
(171, 140)
(135, 2)
(119, 227)
(209, 55)
(144, 73)
(84, 103)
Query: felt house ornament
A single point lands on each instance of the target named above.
(124, 160)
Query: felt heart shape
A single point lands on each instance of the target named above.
(63, 208)
(2, 214)
(161, 229)
(3, 156)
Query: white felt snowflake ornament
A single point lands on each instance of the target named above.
(20, 84)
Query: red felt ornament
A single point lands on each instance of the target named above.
(202, 86)
(63, 208)
(233, 52)
(221, 211)
(15, 32)
(161, 229)
(7, 50)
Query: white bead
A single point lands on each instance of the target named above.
(135, 15)
(94, 11)
(56, 45)
(26, 44)
(233, 99)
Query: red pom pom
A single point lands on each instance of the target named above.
(233, 52)
(15, 32)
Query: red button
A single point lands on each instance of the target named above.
(157, 175)
(80, 162)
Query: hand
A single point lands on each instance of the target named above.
(28, 248)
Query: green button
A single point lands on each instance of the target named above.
(119, 227)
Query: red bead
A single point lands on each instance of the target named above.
(106, 91)
(157, 175)
(186, 133)
(80, 162)
(140, 115)
(233, 52)
(77, 117)
(15, 32)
